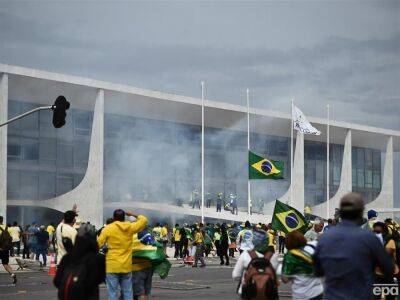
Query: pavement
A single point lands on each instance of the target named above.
(183, 282)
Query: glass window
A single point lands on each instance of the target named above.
(354, 176)
(310, 171)
(368, 158)
(47, 185)
(360, 178)
(336, 175)
(31, 122)
(30, 149)
(29, 185)
(13, 111)
(360, 158)
(368, 178)
(65, 183)
(65, 155)
(81, 153)
(13, 149)
(46, 124)
(83, 122)
(13, 184)
(376, 160)
(376, 179)
(47, 150)
(320, 172)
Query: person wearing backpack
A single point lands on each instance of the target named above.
(85, 265)
(5, 246)
(255, 270)
(298, 268)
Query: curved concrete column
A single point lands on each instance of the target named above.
(385, 197)
(3, 144)
(345, 185)
(88, 195)
(298, 179)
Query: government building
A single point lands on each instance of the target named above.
(125, 147)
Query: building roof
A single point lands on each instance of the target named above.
(39, 86)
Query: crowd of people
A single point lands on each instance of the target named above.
(343, 258)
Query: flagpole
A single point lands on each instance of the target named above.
(202, 152)
(291, 156)
(248, 149)
(327, 161)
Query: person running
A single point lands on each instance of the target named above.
(51, 229)
(297, 268)
(15, 232)
(119, 236)
(184, 243)
(66, 234)
(32, 241)
(164, 238)
(347, 255)
(5, 245)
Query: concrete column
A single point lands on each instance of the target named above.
(346, 182)
(3, 144)
(385, 198)
(88, 195)
(298, 179)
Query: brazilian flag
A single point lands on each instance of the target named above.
(288, 219)
(262, 168)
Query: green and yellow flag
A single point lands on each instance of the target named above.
(288, 219)
(262, 168)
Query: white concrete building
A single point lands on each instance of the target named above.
(128, 147)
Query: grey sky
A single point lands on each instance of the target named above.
(346, 53)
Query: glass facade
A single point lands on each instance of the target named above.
(44, 162)
(158, 161)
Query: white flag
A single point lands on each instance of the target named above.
(301, 123)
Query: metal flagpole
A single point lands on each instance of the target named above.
(327, 162)
(202, 152)
(291, 157)
(248, 149)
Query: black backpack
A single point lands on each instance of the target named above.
(5, 239)
(259, 280)
(73, 282)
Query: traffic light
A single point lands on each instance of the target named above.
(60, 107)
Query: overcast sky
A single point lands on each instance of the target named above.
(346, 53)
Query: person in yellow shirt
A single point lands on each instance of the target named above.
(119, 237)
(176, 234)
(15, 232)
(50, 229)
(199, 243)
(164, 238)
(157, 233)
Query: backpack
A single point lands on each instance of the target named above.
(259, 281)
(73, 281)
(5, 239)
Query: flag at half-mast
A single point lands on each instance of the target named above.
(262, 168)
(301, 123)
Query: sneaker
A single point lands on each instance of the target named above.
(202, 266)
(226, 264)
(194, 266)
(14, 279)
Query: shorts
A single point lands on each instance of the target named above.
(5, 256)
(141, 282)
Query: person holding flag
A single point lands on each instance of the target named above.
(288, 219)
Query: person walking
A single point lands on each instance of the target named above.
(184, 243)
(32, 241)
(347, 255)
(85, 256)
(25, 244)
(244, 240)
(5, 246)
(219, 202)
(177, 241)
(119, 237)
(281, 241)
(15, 232)
(199, 244)
(297, 268)
(42, 237)
(224, 245)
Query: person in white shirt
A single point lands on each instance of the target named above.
(65, 234)
(262, 250)
(244, 240)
